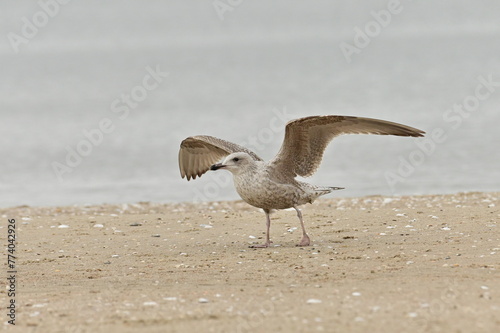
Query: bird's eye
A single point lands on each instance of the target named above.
(236, 159)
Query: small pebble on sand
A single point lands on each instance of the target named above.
(313, 301)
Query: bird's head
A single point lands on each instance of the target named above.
(237, 163)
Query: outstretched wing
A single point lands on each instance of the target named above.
(198, 153)
(306, 139)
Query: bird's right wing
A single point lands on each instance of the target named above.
(198, 153)
(306, 139)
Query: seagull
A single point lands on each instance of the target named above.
(272, 185)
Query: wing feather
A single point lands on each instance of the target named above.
(306, 139)
(198, 153)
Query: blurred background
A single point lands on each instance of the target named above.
(239, 71)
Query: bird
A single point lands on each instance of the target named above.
(272, 185)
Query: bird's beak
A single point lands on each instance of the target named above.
(217, 166)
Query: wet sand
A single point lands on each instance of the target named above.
(398, 264)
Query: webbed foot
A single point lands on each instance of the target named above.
(305, 241)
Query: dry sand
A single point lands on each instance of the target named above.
(401, 264)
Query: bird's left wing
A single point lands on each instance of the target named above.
(198, 153)
(306, 139)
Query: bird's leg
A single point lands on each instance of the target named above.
(268, 224)
(305, 241)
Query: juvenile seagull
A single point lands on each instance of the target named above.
(272, 185)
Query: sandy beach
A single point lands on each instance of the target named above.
(380, 264)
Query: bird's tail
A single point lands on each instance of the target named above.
(312, 192)
(322, 190)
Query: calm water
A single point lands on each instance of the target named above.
(241, 79)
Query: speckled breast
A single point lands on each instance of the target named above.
(264, 193)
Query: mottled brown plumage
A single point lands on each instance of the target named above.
(306, 139)
(199, 152)
(272, 185)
